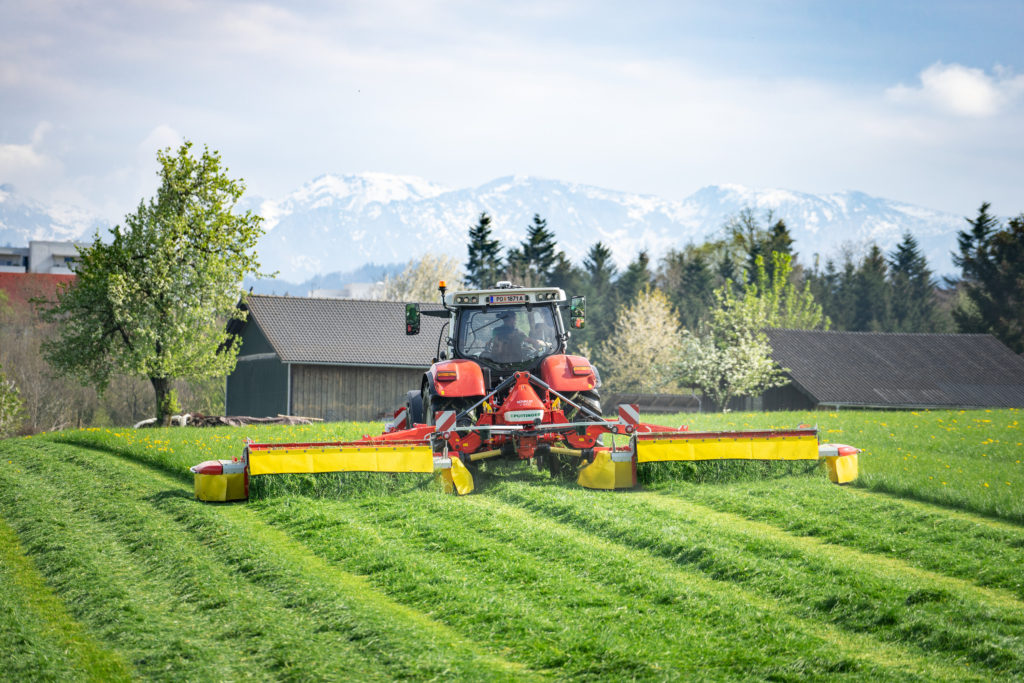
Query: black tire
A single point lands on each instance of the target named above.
(414, 404)
(439, 403)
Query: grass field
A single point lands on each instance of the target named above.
(111, 570)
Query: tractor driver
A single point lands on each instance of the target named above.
(508, 342)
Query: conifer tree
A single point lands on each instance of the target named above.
(483, 268)
(992, 264)
(596, 283)
(727, 270)
(599, 266)
(635, 278)
(533, 261)
(914, 308)
(565, 275)
(746, 233)
(872, 294)
(687, 278)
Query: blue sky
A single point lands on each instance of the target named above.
(916, 101)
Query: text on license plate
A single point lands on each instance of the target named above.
(507, 299)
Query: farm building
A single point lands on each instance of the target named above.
(20, 287)
(336, 359)
(888, 370)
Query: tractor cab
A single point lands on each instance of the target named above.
(512, 335)
(493, 334)
(504, 328)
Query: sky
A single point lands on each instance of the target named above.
(916, 101)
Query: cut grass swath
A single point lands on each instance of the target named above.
(962, 544)
(236, 604)
(856, 594)
(513, 573)
(37, 635)
(748, 574)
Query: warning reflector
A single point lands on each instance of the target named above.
(629, 414)
(444, 421)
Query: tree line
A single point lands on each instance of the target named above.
(754, 259)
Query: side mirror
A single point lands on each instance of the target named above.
(577, 312)
(412, 318)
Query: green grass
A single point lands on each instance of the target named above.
(972, 460)
(721, 571)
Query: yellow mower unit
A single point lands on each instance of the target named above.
(221, 480)
(313, 458)
(793, 444)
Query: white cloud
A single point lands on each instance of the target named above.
(961, 90)
(161, 137)
(27, 165)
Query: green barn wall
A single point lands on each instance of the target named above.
(257, 387)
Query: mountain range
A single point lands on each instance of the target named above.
(342, 223)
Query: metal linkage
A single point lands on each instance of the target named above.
(544, 385)
(501, 385)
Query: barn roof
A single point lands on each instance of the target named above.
(344, 331)
(908, 370)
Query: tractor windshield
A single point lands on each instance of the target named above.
(507, 336)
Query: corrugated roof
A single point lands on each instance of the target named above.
(344, 331)
(882, 369)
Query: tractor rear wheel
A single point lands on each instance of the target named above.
(414, 405)
(436, 404)
(591, 400)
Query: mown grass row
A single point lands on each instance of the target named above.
(850, 590)
(575, 603)
(754, 573)
(199, 591)
(974, 548)
(38, 638)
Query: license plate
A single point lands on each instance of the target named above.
(507, 299)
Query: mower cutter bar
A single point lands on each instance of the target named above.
(339, 457)
(794, 444)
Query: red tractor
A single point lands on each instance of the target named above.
(502, 368)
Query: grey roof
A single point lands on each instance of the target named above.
(911, 370)
(344, 331)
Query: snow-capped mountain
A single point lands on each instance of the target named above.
(339, 223)
(824, 224)
(23, 220)
(391, 219)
